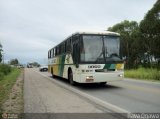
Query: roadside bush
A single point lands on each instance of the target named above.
(157, 75)
(143, 73)
(4, 69)
(1, 75)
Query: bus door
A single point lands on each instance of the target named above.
(76, 50)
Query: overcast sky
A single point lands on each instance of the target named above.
(29, 28)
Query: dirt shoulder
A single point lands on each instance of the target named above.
(14, 103)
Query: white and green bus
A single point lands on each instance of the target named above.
(87, 57)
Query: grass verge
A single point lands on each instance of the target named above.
(143, 73)
(7, 83)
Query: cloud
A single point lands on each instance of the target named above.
(26, 47)
(29, 28)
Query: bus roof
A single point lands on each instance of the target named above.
(92, 33)
(97, 33)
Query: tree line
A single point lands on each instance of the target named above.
(11, 62)
(140, 42)
(1, 52)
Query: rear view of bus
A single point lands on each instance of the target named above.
(90, 57)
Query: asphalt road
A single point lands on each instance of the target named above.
(41, 95)
(130, 95)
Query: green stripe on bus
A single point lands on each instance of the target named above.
(109, 66)
(61, 65)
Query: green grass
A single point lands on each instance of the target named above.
(143, 73)
(6, 84)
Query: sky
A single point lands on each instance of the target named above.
(29, 28)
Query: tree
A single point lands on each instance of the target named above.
(14, 62)
(150, 31)
(1, 52)
(129, 31)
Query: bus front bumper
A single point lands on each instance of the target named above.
(101, 77)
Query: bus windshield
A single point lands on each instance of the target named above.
(100, 49)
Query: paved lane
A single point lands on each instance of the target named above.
(41, 95)
(131, 95)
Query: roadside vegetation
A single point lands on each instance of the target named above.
(143, 73)
(4, 70)
(8, 77)
(140, 45)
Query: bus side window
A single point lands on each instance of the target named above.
(57, 51)
(68, 45)
(54, 52)
(50, 54)
(76, 50)
(65, 47)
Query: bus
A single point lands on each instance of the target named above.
(87, 57)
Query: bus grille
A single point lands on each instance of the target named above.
(104, 70)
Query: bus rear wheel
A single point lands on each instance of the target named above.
(70, 77)
(52, 73)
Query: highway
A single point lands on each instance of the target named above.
(131, 95)
(122, 96)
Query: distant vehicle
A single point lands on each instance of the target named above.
(29, 66)
(43, 68)
(20, 66)
(87, 57)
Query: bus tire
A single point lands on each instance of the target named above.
(70, 77)
(103, 83)
(52, 73)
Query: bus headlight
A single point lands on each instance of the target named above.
(89, 79)
(120, 75)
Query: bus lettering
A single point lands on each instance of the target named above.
(94, 66)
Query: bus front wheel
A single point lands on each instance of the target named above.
(70, 77)
(103, 83)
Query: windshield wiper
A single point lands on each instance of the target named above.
(102, 53)
(114, 58)
(114, 55)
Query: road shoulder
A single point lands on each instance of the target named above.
(43, 96)
(14, 103)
